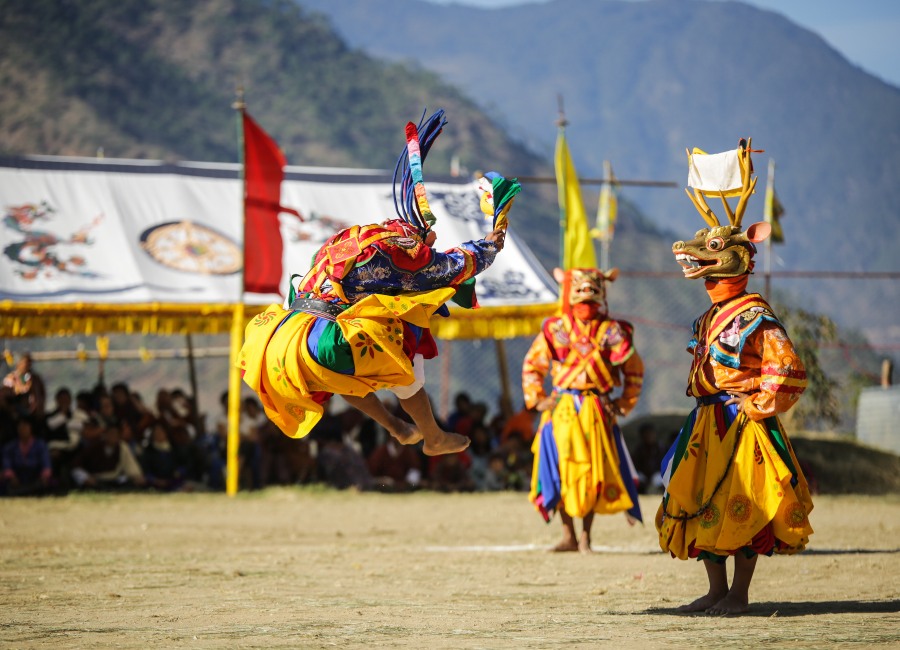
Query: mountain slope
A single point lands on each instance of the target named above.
(157, 79)
(643, 80)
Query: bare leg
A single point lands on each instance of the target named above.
(437, 441)
(568, 542)
(718, 588)
(737, 600)
(404, 432)
(584, 542)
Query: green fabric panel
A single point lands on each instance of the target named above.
(335, 352)
(687, 430)
(465, 294)
(777, 438)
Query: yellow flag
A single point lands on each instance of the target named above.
(578, 248)
(773, 211)
(607, 210)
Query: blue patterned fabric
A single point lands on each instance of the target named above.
(379, 275)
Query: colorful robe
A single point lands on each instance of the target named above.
(581, 462)
(732, 480)
(387, 286)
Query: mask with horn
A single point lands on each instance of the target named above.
(719, 252)
(583, 291)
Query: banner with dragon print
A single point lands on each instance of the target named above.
(78, 230)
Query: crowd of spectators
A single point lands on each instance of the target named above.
(110, 439)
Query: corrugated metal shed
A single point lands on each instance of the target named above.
(878, 418)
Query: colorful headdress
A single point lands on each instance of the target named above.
(412, 204)
(721, 251)
(497, 197)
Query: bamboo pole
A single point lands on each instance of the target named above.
(769, 217)
(234, 402)
(237, 329)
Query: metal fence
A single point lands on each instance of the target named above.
(657, 304)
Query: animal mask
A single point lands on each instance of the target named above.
(722, 251)
(584, 287)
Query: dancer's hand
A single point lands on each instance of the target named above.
(737, 398)
(546, 404)
(498, 236)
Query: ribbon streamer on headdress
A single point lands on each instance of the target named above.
(412, 203)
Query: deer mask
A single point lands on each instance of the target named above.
(723, 251)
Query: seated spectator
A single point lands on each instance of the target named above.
(286, 461)
(479, 452)
(8, 416)
(338, 464)
(362, 432)
(462, 403)
(165, 466)
(26, 463)
(647, 457)
(106, 414)
(250, 460)
(494, 478)
(518, 461)
(28, 387)
(107, 464)
(524, 423)
(451, 473)
(395, 467)
(175, 415)
(131, 412)
(214, 447)
(474, 417)
(62, 432)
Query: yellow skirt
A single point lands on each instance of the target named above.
(584, 476)
(756, 506)
(292, 386)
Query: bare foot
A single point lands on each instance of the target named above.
(584, 544)
(702, 604)
(567, 545)
(444, 443)
(404, 432)
(729, 606)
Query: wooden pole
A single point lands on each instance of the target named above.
(769, 217)
(561, 123)
(446, 348)
(604, 242)
(192, 379)
(505, 392)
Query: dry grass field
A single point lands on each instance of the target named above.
(309, 568)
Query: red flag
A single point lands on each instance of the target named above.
(263, 173)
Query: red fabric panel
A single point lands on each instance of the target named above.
(263, 173)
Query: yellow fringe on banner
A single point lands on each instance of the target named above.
(493, 322)
(103, 346)
(22, 320)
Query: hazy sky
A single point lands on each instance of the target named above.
(866, 32)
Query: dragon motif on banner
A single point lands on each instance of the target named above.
(39, 253)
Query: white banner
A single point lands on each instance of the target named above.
(116, 231)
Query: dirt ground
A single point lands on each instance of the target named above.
(308, 568)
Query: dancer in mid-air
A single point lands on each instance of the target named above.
(358, 321)
(733, 484)
(582, 466)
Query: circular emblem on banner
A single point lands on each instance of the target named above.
(192, 247)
